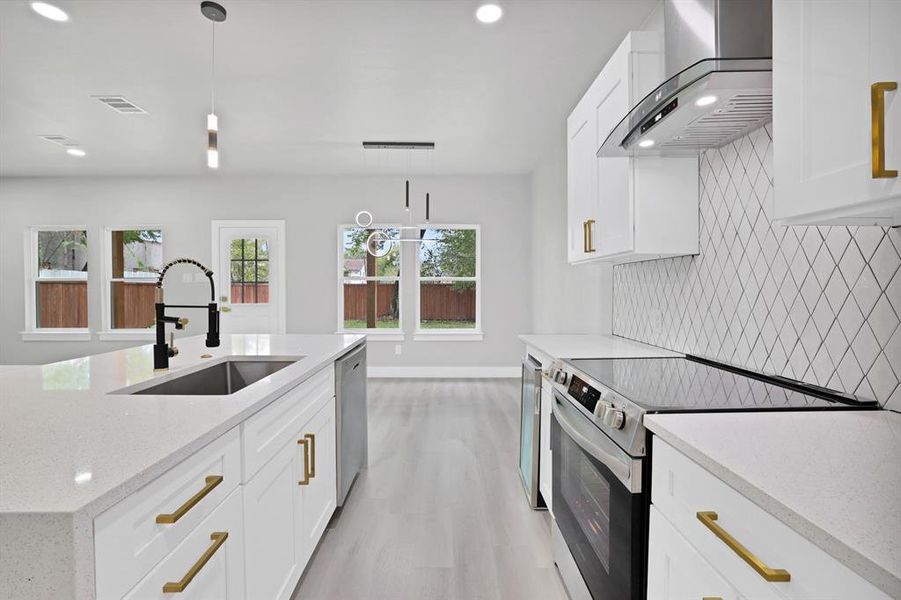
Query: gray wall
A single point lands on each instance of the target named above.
(566, 298)
(312, 208)
(820, 304)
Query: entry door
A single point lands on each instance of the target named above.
(250, 275)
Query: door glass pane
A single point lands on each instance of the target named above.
(249, 271)
(371, 304)
(447, 304)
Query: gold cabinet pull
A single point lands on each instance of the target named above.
(589, 237)
(312, 438)
(176, 587)
(708, 518)
(877, 113)
(584, 237)
(168, 518)
(306, 461)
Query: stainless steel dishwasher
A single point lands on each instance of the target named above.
(352, 424)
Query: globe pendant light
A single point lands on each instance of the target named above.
(215, 13)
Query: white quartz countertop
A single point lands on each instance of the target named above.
(593, 346)
(832, 476)
(70, 445)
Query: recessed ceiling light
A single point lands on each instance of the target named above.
(75, 152)
(646, 143)
(705, 100)
(489, 13)
(54, 13)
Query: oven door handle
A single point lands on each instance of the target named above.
(625, 468)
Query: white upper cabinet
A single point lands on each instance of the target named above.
(626, 209)
(837, 112)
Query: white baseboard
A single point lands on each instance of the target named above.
(445, 372)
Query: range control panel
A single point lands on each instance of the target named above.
(586, 395)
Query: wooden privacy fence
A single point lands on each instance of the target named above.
(253, 294)
(62, 304)
(440, 302)
(356, 295)
(133, 305)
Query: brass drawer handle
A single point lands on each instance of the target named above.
(312, 438)
(877, 114)
(306, 461)
(168, 518)
(709, 517)
(589, 237)
(176, 587)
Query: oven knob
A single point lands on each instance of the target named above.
(561, 377)
(615, 418)
(601, 408)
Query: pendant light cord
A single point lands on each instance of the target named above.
(213, 73)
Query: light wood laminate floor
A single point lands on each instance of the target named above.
(441, 513)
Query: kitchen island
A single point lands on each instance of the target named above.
(76, 440)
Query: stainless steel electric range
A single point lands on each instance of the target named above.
(602, 455)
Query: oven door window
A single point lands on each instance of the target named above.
(600, 519)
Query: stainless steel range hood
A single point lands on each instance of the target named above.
(719, 86)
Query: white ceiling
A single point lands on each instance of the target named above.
(299, 85)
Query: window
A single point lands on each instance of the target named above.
(134, 260)
(448, 286)
(369, 298)
(57, 266)
(250, 271)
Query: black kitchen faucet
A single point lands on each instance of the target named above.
(161, 350)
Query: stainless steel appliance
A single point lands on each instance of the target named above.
(351, 418)
(602, 455)
(530, 430)
(719, 80)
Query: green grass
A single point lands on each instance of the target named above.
(448, 325)
(361, 324)
(392, 324)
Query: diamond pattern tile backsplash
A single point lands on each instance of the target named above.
(819, 304)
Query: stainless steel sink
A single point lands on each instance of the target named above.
(221, 379)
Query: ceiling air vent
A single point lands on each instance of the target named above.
(60, 140)
(121, 104)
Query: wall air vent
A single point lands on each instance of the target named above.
(121, 104)
(60, 140)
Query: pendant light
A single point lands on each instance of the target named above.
(215, 13)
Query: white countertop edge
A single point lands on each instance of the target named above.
(834, 547)
(593, 345)
(108, 498)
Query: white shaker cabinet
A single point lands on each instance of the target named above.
(709, 527)
(272, 521)
(319, 495)
(287, 505)
(837, 112)
(676, 571)
(626, 209)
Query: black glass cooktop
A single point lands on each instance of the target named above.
(693, 384)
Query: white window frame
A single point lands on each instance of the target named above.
(377, 333)
(107, 333)
(32, 332)
(455, 335)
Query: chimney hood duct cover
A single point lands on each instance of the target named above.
(720, 85)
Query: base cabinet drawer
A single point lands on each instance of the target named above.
(207, 565)
(727, 530)
(676, 571)
(135, 534)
